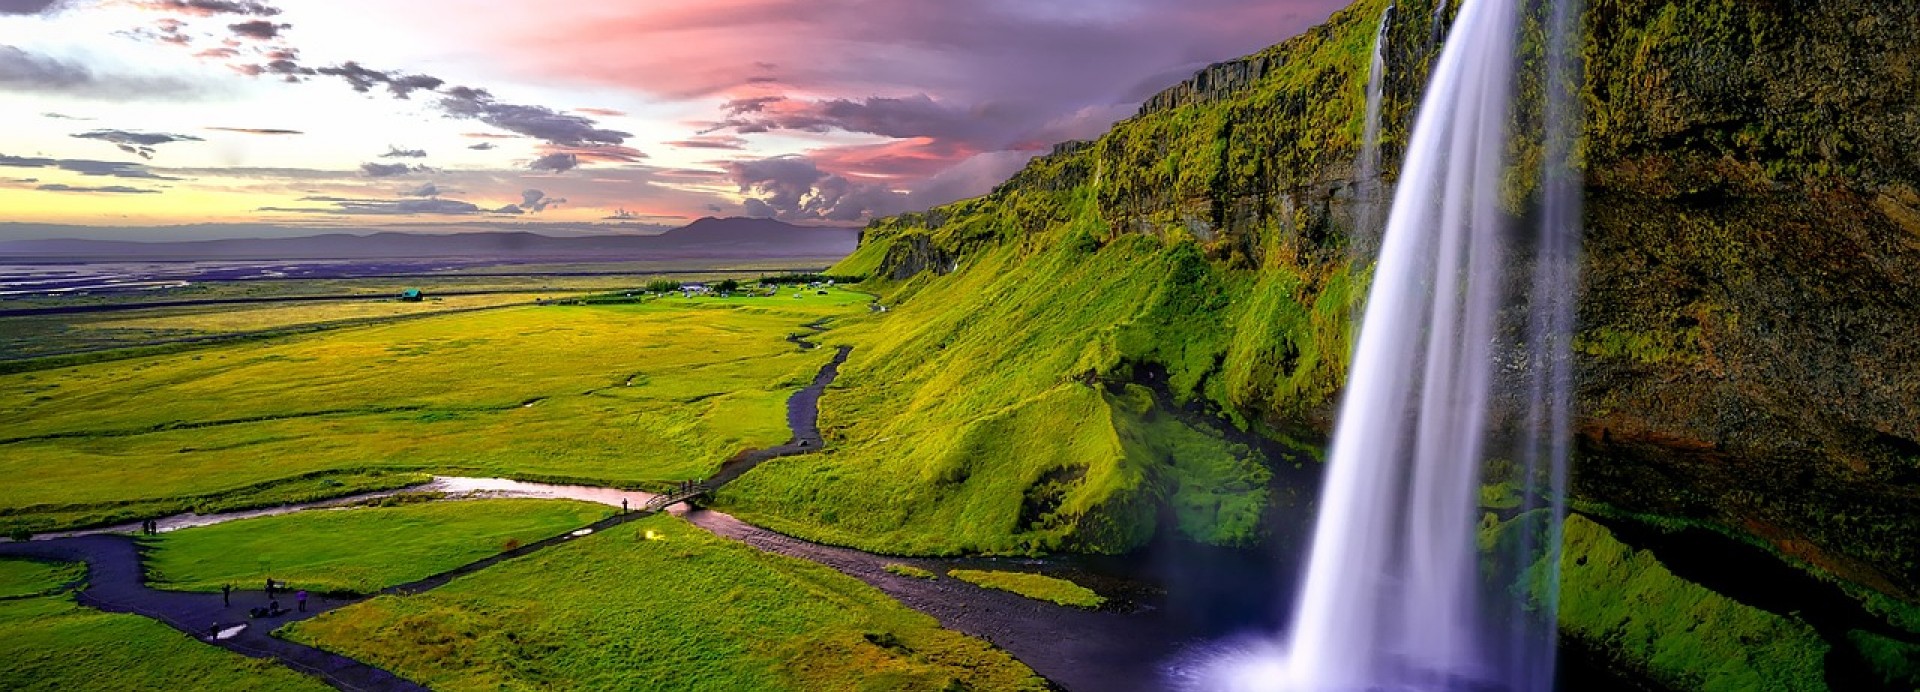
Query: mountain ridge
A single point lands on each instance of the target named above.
(707, 237)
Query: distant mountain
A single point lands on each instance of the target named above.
(707, 238)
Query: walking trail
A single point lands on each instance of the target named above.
(116, 581)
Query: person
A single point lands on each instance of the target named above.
(273, 608)
(226, 595)
(213, 631)
(623, 505)
(269, 587)
(301, 598)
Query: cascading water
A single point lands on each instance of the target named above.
(1394, 596)
(1439, 21)
(1366, 170)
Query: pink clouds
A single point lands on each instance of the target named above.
(817, 109)
(943, 82)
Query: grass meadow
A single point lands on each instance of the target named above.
(631, 395)
(357, 550)
(48, 642)
(1035, 586)
(661, 604)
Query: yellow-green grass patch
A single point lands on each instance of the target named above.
(19, 577)
(661, 604)
(1039, 587)
(633, 395)
(357, 550)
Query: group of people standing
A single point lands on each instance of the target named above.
(271, 609)
(150, 527)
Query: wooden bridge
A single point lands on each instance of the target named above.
(660, 503)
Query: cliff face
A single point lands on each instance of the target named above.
(1748, 323)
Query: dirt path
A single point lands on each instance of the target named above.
(1077, 649)
(116, 581)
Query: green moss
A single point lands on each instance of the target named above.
(1035, 586)
(1652, 348)
(1896, 662)
(1680, 633)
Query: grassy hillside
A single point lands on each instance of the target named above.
(1751, 174)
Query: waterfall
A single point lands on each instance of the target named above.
(1439, 19)
(1396, 594)
(1366, 173)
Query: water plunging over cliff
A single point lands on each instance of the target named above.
(1439, 20)
(1397, 595)
(1366, 173)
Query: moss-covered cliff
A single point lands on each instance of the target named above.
(1748, 324)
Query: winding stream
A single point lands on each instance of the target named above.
(1165, 602)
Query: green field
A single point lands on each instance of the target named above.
(359, 550)
(680, 610)
(20, 578)
(50, 643)
(1035, 586)
(632, 395)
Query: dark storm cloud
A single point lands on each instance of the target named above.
(535, 201)
(537, 122)
(394, 152)
(208, 8)
(137, 143)
(109, 189)
(914, 116)
(22, 71)
(107, 169)
(557, 163)
(364, 80)
(388, 170)
(26, 6)
(258, 29)
(605, 153)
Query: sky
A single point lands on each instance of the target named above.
(186, 119)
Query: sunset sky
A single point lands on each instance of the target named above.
(277, 116)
